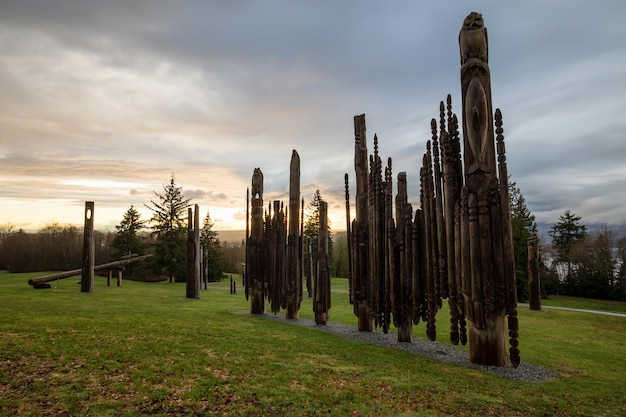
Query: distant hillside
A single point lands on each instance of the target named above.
(233, 236)
(236, 236)
(619, 231)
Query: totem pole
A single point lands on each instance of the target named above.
(360, 242)
(400, 259)
(193, 253)
(255, 248)
(293, 279)
(486, 248)
(87, 274)
(321, 286)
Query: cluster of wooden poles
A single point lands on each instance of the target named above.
(454, 246)
(274, 251)
(457, 246)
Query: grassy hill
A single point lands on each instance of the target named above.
(143, 349)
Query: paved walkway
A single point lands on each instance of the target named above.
(580, 310)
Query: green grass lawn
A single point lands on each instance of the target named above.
(143, 349)
(584, 303)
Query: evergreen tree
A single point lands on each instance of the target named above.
(312, 227)
(565, 233)
(126, 240)
(169, 227)
(211, 250)
(523, 227)
(594, 275)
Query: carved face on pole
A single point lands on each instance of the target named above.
(479, 153)
(473, 39)
(473, 21)
(257, 184)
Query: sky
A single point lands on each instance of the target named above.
(105, 101)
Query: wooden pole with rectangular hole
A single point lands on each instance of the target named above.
(87, 273)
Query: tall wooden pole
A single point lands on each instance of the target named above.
(308, 260)
(360, 234)
(255, 249)
(534, 287)
(490, 295)
(193, 253)
(348, 233)
(321, 286)
(401, 258)
(293, 279)
(87, 275)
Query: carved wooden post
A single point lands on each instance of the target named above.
(360, 234)
(293, 281)
(534, 287)
(418, 281)
(450, 196)
(255, 249)
(401, 262)
(193, 252)
(204, 267)
(442, 272)
(276, 260)
(376, 232)
(87, 275)
(509, 285)
(430, 242)
(485, 223)
(321, 286)
(308, 260)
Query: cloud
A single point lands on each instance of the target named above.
(127, 94)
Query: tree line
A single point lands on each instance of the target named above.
(575, 262)
(587, 264)
(58, 247)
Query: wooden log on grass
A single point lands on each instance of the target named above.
(36, 282)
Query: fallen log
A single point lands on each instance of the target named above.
(37, 282)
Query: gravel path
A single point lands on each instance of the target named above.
(433, 350)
